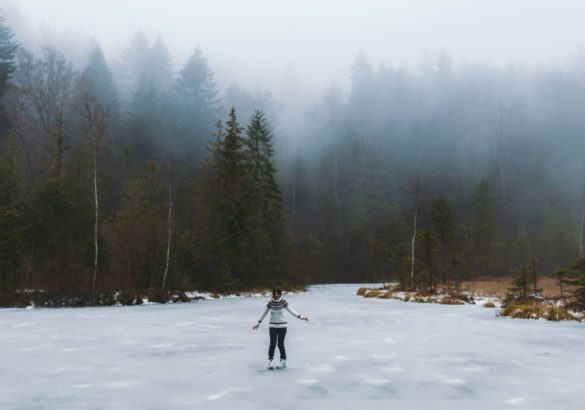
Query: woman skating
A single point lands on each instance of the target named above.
(276, 307)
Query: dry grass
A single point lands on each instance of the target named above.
(362, 291)
(389, 294)
(536, 310)
(498, 287)
(489, 305)
(373, 293)
(451, 301)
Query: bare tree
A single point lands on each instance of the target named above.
(334, 189)
(41, 99)
(95, 126)
(169, 236)
(416, 191)
(294, 202)
(581, 233)
(501, 149)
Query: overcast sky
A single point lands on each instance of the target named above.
(310, 43)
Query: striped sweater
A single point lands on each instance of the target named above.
(276, 309)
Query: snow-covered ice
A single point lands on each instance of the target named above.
(354, 353)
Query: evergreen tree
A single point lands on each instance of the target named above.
(442, 223)
(401, 264)
(147, 127)
(62, 220)
(97, 80)
(8, 49)
(137, 235)
(196, 106)
(576, 279)
(263, 173)
(521, 281)
(267, 202)
(484, 238)
(133, 63)
(428, 245)
(12, 221)
(233, 200)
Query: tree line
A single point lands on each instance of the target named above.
(133, 186)
(141, 178)
(442, 175)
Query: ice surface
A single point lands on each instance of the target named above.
(354, 353)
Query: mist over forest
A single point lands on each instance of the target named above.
(129, 170)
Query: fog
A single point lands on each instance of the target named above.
(379, 125)
(297, 49)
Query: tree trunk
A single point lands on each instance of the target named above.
(95, 233)
(443, 260)
(534, 279)
(335, 190)
(416, 200)
(431, 277)
(169, 236)
(412, 260)
(503, 182)
(581, 234)
(294, 203)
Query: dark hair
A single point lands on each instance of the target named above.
(277, 290)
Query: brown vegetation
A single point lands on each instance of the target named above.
(536, 309)
(499, 287)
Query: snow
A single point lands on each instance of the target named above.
(354, 353)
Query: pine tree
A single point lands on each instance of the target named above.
(576, 278)
(134, 60)
(137, 241)
(196, 106)
(428, 245)
(8, 49)
(521, 281)
(147, 128)
(442, 223)
(97, 80)
(12, 221)
(484, 233)
(232, 204)
(263, 173)
(400, 263)
(267, 203)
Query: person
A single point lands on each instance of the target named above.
(276, 306)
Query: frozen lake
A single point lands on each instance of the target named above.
(354, 353)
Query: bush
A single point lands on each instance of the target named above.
(362, 291)
(129, 298)
(489, 305)
(556, 314)
(180, 297)
(159, 296)
(523, 310)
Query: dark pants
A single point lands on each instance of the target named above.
(277, 336)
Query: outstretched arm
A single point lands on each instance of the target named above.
(295, 313)
(261, 318)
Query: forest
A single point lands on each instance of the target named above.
(146, 177)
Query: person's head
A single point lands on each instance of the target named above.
(276, 293)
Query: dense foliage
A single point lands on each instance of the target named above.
(423, 178)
